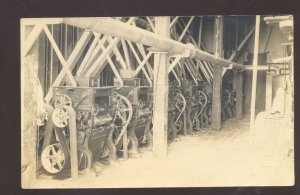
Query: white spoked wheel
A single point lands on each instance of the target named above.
(60, 117)
(123, 109)
(62, 100)
(53, 158)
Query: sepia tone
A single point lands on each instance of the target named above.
(179, 101)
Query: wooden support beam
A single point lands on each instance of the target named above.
(143, 52)
(200, 32)
(119, 58)
(151, 23)
(96, 52)
(113, 67)
(174, 63)
(73, 142)
(55, 61)
(174, 21)
(71, 62)
(160, 92)
(88, 54)
(60, 56)
(217, 75)
(30, 86)
(186, 28)
(95, 66)
(36, 31)
(140, 62)
(126, 53)
(240, 47)
(254, 73)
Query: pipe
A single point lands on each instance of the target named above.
(276, 69)
(121, 30)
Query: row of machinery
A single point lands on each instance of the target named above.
(97, 119)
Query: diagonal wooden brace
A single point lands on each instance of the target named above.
(60, 56)
(70, 64)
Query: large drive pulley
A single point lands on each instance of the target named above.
(53, 158)
(60, 117)
(62, 100)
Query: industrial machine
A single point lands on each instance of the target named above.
(206, 112)
(176, 107)
(89, 117)
(140, 98)
(228, 104)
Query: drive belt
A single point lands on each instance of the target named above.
(64, 145)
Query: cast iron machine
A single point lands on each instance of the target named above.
(206, 112)
(196, 104)
(81, 126)
(228, 104)
(141, 101)
(176, 108)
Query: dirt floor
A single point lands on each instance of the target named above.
(233, 156)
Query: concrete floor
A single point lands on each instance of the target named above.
(231, 157)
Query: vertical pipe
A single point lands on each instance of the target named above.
(254, 72)
(269, 79)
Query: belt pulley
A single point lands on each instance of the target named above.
(56, 157)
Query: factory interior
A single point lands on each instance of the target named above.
(157, 101)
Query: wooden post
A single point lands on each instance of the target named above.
(161, 91)
(30, 87)
(217, 75)
(73, 142)
(239, 96)
(239, 88)
(254, 74)
(269, 79)
(200, 32)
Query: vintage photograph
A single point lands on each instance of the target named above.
(157, 101)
